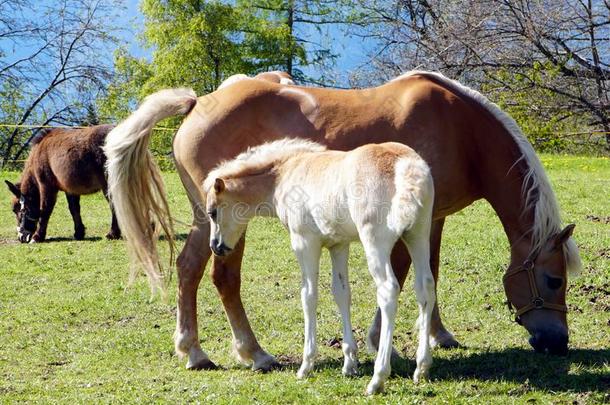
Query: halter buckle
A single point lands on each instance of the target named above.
(538, 302)
(528, 265)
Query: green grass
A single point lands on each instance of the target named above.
(69, 332)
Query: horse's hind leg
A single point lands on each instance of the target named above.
(378, 258)
(419, 247)
(74, 206)
(226, 276)
(115, 231)
(341, 292)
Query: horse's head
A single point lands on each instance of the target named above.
(229, 216)
(536, 289)
(26, 211)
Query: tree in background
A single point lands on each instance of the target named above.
(52, 65)
(519, 49)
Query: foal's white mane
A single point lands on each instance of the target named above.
(261, 155)
(547, 220)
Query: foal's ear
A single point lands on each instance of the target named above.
(563, 236)
(219, 185)
(13, 188)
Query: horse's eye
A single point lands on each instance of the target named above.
(554, 282)
(212, 214)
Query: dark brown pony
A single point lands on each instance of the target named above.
(68, 160)
(474, 149)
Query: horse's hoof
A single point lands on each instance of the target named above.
(267, 366)
(444, 340)
(79, 235)
(113, 236)
(203, 364)
(374, 388)
(350, 372)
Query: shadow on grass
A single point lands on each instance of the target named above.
(178, 236)
(70, 239)
(532, 370)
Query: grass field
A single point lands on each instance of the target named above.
(69, 332)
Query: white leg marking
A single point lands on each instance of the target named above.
(342, 294)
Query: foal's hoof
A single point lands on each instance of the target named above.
(113, 235)
(203, 364)
(267, 366)
(444, 340)
(79, 235)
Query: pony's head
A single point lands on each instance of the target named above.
(536, 289)
(27, 212)
(229, 215)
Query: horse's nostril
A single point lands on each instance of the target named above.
(553, 342)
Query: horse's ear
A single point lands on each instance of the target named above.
(563, 236)
(219, 185)
(13, 188)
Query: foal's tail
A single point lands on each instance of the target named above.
(135, 184)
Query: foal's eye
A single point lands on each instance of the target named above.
(554, 282)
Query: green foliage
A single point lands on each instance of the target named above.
(72, 333)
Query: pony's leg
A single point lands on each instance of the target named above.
(48, 197)
(190, 266)
(226, 275)
(308, 254)
(378, 258)
(419, 248)
(341, 292)
(115, 231)
(401, 261)
(74, 206)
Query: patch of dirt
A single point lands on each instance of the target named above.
(7, 241)
(595, 218)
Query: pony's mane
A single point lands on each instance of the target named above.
(537, 189)
(258, 157)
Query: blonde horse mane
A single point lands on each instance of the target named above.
(255, 159)
(539, 196)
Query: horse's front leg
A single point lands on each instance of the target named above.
(74, 207)
(190, 266)
(226, 275)
(308, 255)
(341, 292)
(48, 197)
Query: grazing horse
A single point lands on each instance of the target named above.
(68, 160)
(313, 193)
(473, 148)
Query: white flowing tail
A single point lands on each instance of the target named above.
(135, 184)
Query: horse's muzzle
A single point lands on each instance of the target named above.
(24, 237)
(219, 249)
(550, 341)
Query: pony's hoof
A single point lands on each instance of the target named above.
(374, 388)
(203, 364)
(113, 235)
(79, 235)
(350, 371)
(267, 366)
(444, 340)
(419, 375)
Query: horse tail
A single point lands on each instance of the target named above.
(135, 185)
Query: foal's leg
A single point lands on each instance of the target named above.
(341, 292)
(74, 206)
(418, 245)
(378, 258)
(401, 261)
(48, 197)
(308, 255)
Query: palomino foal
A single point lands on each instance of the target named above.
(375, 193)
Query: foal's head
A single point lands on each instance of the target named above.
(536, 289)
(27, 212)
(229, 214)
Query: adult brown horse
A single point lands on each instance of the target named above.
(473, 148)
(69, 160)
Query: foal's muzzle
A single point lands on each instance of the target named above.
(24, 236)
(219, 249)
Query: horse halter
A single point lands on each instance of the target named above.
(25, 214)
(537, 302)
